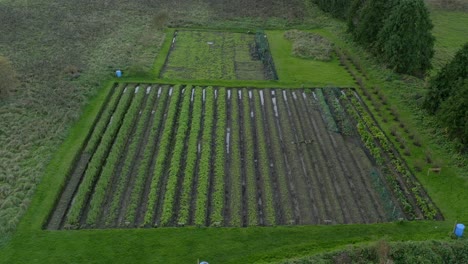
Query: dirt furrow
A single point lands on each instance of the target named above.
(307, 202)
(283, 143)
(354, 207)
(330, 177)
(302, 143)
(244, 199)
(258, 177)
(315, 154)
(273, 173)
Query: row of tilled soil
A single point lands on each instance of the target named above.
(204, 156)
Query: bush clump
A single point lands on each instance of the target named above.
(308, 45)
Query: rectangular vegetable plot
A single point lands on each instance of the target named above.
(183, 155)
(199, 55)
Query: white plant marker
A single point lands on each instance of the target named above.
(261, 98)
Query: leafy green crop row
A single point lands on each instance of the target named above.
(95, 165)
(219, 163)
(106, 115)
(112, 161)
(325, 111)
(192, 156)
(205, 159)
(130, 158)
(428, 209)
(177, 154)
(164, 147)
(235, 170)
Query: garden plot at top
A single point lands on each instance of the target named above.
(210, 55)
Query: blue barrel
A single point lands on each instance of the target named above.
(459, 230)
(118, 73)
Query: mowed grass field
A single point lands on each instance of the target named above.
(299, 70)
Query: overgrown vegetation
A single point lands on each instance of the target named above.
(309, 45)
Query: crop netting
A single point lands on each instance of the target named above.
(341, 121)
(392, 210)
(325, 111)
(263, 50)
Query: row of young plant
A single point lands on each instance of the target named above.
(205, 160)
(175, 166)
(217, 202)
(130, 158)
(113, 159)
(235, 169)
(264, 162)
(249, 160)
(376, 152)
(426, 206)
(163, 151)
(95, 165)
(148, 154)
(339, 114)
(103, 121)
(428, 209)
(325, 111)
(192, 156)
(277, 154)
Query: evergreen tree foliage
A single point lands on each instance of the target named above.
(353, 18)
(453, 114)
(448, 78)
(405, 42)
(369, 20)
(337, 8)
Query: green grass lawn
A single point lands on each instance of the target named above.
(451, 32)
(294, 69)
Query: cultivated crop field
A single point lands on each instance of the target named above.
(164, 155)
(208, 55)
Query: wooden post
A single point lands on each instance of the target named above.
(436, 170)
